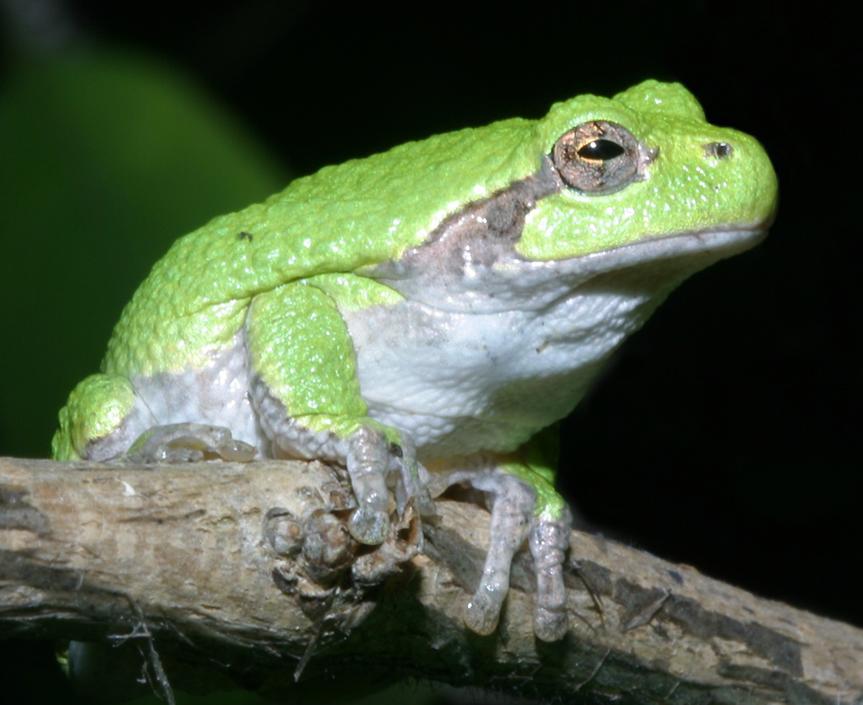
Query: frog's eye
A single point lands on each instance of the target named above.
(597, 157)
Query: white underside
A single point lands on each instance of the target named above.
(217, 395)
(466, 382)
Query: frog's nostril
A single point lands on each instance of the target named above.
(718, 150)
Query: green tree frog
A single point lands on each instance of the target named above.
(420, 315)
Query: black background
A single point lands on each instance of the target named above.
(725, 435)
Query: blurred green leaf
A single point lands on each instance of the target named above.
(105, 159)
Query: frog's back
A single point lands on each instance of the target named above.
(339, 219)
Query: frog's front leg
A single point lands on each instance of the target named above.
(524, 505)
(307, 397)
(368, 462)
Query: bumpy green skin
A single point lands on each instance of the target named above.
(95, 408)
(362, 213)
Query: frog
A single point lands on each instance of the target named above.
(423, 317)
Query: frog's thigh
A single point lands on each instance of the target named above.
(307, 396)
(101, 419)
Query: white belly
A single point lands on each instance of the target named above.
(461, 383)
(216, 395)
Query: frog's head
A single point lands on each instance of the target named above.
(639, 186)
(646, 165)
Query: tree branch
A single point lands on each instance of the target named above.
(242, 572)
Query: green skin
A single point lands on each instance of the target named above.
(288, 272)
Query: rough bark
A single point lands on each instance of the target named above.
(195, 568)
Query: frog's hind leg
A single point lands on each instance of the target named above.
(101, 419)
(512, 505)
(106, 418)
(524, 505)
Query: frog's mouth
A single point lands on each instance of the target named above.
(689, 250)
(651, 265)
(648, 268)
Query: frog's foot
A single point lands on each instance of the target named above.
(513, 519)
(375, 465)
(188, 442)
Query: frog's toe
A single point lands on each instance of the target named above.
(413, 487)
(369, 526)
(482, 612)
(236, 451)
(188, 442)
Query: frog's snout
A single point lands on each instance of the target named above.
(744, 176)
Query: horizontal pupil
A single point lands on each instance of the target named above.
(600, 149)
